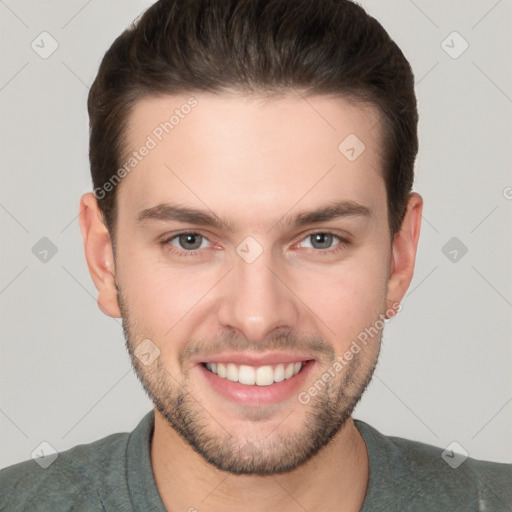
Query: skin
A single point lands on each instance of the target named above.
(253, 162)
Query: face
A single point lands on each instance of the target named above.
(251, 252)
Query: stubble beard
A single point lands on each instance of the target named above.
(241, 454)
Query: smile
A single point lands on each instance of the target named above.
(255, 375)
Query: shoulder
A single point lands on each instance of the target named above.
(424, 475)
(431, 464)
(71, 481)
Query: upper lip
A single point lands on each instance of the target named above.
(254, 359)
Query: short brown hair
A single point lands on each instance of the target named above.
(262, 46)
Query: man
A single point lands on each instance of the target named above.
(253, 224)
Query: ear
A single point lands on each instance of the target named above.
(99, 254)
(403, 257)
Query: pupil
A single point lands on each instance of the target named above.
(190, 239)
(322, 239)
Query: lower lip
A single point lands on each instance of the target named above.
(257, 395)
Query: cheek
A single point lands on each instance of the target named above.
(349, 298)
(168, 304)
(161, 298)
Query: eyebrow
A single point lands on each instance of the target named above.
(173, 212)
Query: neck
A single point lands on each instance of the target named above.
(334, 479)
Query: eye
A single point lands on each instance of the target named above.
(323, 241)
(188, 242)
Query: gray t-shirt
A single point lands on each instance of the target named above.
(115, 474)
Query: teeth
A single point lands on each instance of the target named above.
(259, 376)
(279, 373)
(288, 372)
(246, 375)
(231, 372)
(264, 376)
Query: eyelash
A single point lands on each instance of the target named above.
(343, 243)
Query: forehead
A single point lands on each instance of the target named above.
(261, 153)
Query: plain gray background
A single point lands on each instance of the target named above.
(445, 369)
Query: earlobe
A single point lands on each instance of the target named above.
(404, 248)
(99, 254)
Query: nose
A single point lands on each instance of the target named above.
(257, 300)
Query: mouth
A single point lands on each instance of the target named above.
(265, 375)
(258, 382)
